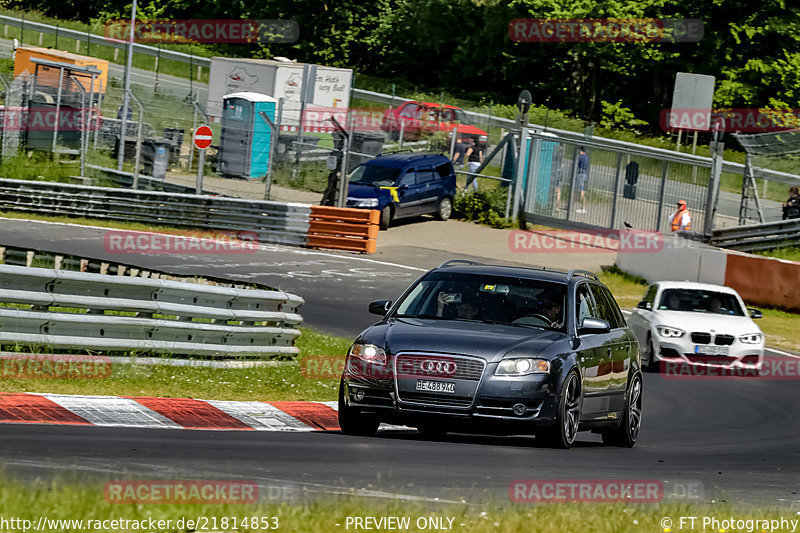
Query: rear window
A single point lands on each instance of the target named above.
(444, 170)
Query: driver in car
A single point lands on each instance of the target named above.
(464, 309)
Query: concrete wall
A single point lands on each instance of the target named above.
(760, 280)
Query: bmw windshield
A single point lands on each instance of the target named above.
(490, 299)
(700, 301)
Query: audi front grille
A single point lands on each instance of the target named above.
(440, 366)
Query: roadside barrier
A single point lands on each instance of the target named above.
(343, 228)
(270, 222)
(79, 310)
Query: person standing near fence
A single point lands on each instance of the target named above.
(791, 207)
(681, 220)
(474, 157)
(583, 175)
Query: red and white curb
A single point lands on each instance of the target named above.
(167, 413)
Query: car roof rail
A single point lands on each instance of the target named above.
(460, 262)
(391, 152)
(581, 272)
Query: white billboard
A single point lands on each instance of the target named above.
(279, 80)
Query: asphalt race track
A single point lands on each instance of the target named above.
(738, 438)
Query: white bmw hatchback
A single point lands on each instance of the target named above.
(696, 323)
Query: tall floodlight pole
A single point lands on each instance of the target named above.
(125, 102)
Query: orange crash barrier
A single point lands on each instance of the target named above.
(764, 280)
(343, 228)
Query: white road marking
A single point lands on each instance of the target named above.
(112, 411)
(260, 416)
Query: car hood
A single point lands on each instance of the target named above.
(354, 190)
(691, 321)
(491, 342)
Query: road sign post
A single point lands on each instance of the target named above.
(202, 140)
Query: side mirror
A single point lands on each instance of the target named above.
(593, 325)
(380, 307)
(755, 313)
(644, 304)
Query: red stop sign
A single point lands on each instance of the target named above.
(203, 137)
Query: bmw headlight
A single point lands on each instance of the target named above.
(369, 353)
(751, 338)
(522, 367)
(666, 331)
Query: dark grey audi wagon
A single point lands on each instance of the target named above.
(497, 349)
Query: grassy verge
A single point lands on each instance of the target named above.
(789, 253)
(81, 501)
(306, 379)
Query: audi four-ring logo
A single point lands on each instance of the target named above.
(438, 367)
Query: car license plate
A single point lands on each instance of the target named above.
(435, 386)
(711, 350)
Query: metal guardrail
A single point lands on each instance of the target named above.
(70, 310)
(94, 39)
(272, 222)
(758, 236)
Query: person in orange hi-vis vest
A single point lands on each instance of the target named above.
(681, 220)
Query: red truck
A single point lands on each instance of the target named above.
(415, 118)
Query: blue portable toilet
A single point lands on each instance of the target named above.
(245, 141)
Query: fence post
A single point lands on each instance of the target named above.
(521, 167)
(661, 195)
(56, 46)
(138, 157)
(616, 191)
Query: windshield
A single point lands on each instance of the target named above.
(374, 175)
(700, 301)
(482, 298)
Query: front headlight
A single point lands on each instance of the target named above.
(522, 367)
(365, 202)
(369, 353)
(751, 338)
(666, 331)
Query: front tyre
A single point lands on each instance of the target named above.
(352, 421)
(562, 434)
(445, 209)
(626, 434)
(386, 217)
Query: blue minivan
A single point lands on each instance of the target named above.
(403, 185)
